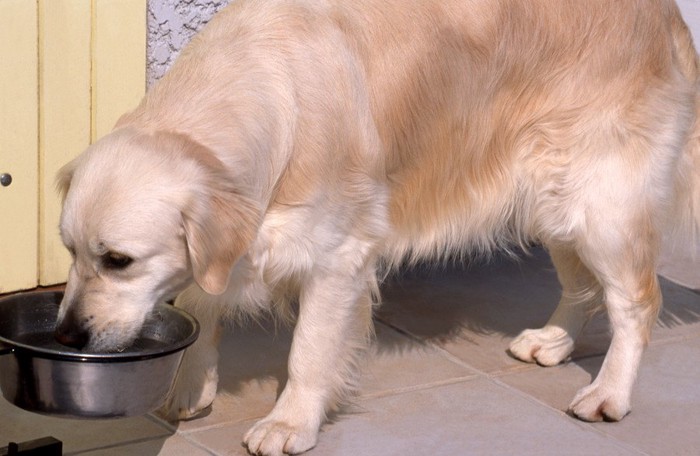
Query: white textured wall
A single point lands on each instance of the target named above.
(171, 25)
(691, 13)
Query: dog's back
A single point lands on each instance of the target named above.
(437, 128)
(488, 123)
(521, 113)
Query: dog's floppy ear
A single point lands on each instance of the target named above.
(220, 224)
(64, 178)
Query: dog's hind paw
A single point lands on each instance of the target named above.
(548, 346)
(274, 438)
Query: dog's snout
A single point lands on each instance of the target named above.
(71, 333)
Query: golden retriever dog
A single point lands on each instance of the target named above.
(299, 149)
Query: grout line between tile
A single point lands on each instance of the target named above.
(401, 331)
(218, 425)
(199, 445)
(673, 339)
(421, 387)
(162, 423)
(450, 357)
(185, 433)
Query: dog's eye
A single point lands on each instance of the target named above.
(113, 260)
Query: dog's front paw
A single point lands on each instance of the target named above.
(548, 346)
(195, 388)
(190, 399)
(271, 437)
(596, 402)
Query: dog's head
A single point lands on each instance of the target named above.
(143, 215)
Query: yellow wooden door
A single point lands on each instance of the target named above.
(18, 144)
(93, 60)
(80, 66)
(65, 36)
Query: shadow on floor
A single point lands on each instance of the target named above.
(444, 304)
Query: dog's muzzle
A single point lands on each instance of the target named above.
(71, 333)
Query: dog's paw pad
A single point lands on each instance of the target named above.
(595, 403)
(275, 438)
(548, 346)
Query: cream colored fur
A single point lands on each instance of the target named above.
(297, 149)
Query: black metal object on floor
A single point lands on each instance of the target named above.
(46, 446)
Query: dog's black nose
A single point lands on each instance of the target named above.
(71, 335)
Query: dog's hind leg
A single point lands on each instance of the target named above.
(581, 297)
(620, 217)
(333, 328)
(625, 267)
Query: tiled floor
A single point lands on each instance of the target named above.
(438, 381)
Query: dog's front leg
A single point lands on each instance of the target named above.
(333, 327)
(197, 380)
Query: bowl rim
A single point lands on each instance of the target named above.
(22, 349)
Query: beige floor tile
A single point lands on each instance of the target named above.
(76, 435)
(665, 416)
(253, 368)
(225, 440)
(473, 314)
(474, 417)
(680, 315)
(172, 446)
(681, 263)
(555, 386)
(399, 363)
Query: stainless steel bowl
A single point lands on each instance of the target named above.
(43, 376)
